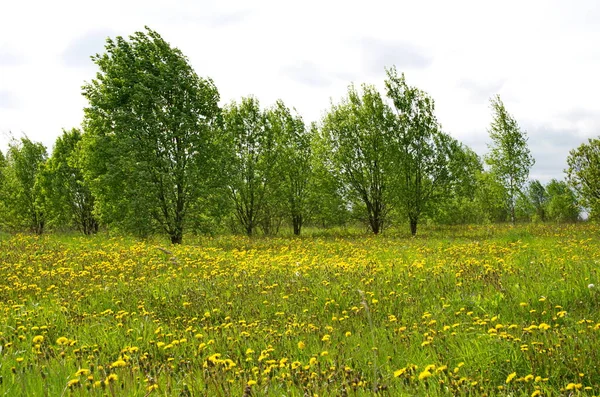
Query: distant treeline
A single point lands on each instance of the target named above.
(156, 154)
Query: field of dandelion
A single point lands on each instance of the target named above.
(470, 311)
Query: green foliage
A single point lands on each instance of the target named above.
(295, 163)
(68, 197)
(251, 167)
(24, 206)
(491, 198)
(509, 157)
(326, 195)
(425, 162)
(538, 197)
(583, 174)
(357, 135)
(149, 141)
(562, 202)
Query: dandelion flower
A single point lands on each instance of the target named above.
(510, 377)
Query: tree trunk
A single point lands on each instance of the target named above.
(297, 223)
(375, 225)
(177, 237)
(413, 226)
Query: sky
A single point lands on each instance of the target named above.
(541, 57)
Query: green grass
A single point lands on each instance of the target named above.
(454, 311)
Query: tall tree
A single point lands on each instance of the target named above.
(24, 201)
(70, 201)
(509, 158)
(539, 199)
(423, 153)
(149, 134)
(583, 174)
(562, 202)
(357, 133)
(326, 194)
(460, 205)
(294, 163)
(252, 155)
(3, 188)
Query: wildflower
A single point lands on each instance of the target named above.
(510, 377)
(424, 375)
(301, 345)
(111, 378)
(119, 363)
(573, 386)
(251, 382)
(62, 341)
(38, 339)
(73, 383)
(82, 371)
(399, 372)
(590, 286)
(326, 338)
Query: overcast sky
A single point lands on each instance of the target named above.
(542, 57)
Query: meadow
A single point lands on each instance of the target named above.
(470, 311)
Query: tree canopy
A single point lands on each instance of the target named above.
(148, 138)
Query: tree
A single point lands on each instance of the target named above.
(423, 154)
(562, 202)
(23, 199)
(583, 174)
(294, 162)
(357, 137)
(509, 157)
(538, 197)
(3, 187)
(326, 194)
(252, 159)
(460, 205)
(70, 201)
(149, 129)
(491, 198)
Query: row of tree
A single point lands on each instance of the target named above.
(158, 154)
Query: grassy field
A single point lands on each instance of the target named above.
(465, 311)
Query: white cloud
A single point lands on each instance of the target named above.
(542, 57)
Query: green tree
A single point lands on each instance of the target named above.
(357, 138)
(69, 199)
(294, 163)
(539, 199)
(491, 198)
(583, 174)
(148, 146)
(3, 187)
(24, 202)
(509, 157)
(251, 171)
(562, 202)
(423, 154)
(460, 205)
(326, 194)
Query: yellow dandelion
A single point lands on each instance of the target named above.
(118, 364)
(424, 375)
(510, 377)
